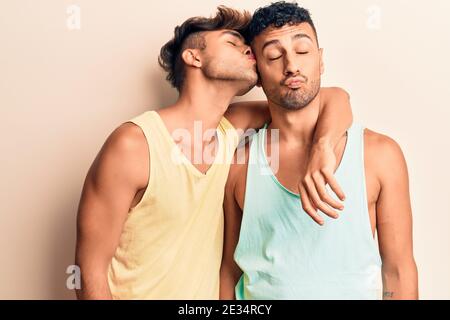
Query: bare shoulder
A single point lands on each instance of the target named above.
(383, 154)
(123, 155)
(127, 137)
(380, 144)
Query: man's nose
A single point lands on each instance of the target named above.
(291, 67)
(248, 52)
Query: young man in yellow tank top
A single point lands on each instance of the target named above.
(150, 219)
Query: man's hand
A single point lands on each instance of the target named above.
(312, 188)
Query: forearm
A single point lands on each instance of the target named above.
(335, 117)
(94, 274)
(400, 282)
(94, 286)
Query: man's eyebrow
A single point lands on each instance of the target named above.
(294, 37)
(301, 35)
(268, 43)
(233, 33)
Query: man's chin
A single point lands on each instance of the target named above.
(294, 102)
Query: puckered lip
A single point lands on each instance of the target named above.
(294, 82)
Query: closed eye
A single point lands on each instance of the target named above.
(273, 59)
(302, 52)
(234, 44)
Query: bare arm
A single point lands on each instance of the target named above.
(335, 116)
(334, 119)
(248, 114)
(116, 175)
(394, 222)
(229, 270)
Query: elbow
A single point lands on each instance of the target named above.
(341, 100)
(399, 268)
(400, 280)
(341, 92)
(344, 96)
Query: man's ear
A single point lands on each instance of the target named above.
(322, 66)
(191, 57)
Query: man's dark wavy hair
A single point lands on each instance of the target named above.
(277, 15)
(189, 35)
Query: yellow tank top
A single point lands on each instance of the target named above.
(171, 244)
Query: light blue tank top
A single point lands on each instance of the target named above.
(284, 254)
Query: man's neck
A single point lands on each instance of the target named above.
(296, 126)
(199, 109)
(204, 101)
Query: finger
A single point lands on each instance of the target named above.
(312, 192)
(331, 180)
(319, 182)
(308, 206)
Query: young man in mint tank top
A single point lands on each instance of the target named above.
(273, 249)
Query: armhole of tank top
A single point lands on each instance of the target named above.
(253, 140)
(367, 223)
(147, 191)
(226, 124)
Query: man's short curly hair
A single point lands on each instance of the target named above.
(189, 35)
(277, 15)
